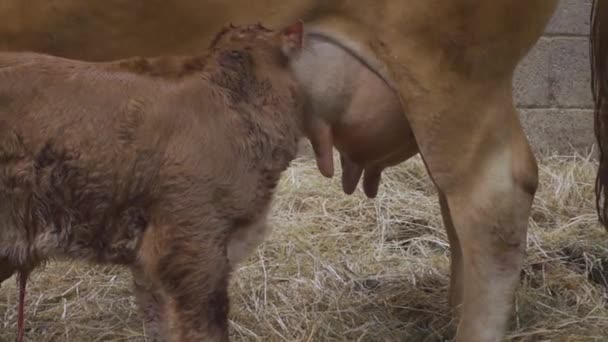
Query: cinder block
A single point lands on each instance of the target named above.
(559, 131)
(570, 76)
(572, 17)
(530, 83)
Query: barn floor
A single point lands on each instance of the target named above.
(345, 268)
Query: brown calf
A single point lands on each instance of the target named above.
(167, 165)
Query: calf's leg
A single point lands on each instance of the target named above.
(245, 239)
(151, 305)
(192, 270)
(196, 282)
(6, 269)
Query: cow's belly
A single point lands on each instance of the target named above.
(113, 29)
(101, 30)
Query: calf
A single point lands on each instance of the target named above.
(166, 165)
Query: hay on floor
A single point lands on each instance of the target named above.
(346, 268)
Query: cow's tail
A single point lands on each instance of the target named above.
(598, 39)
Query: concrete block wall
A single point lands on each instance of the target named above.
(552, 84)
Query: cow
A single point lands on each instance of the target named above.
(450, 64)
(165, 165)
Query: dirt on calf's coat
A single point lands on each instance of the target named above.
(167, 165)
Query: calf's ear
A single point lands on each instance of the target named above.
(291, 37)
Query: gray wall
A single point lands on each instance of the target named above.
(551, 85)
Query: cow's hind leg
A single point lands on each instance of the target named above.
(490, 216)
(478, 156)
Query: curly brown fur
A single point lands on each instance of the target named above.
(160, 164)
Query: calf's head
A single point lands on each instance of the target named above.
(240, 46)
(267, 53)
